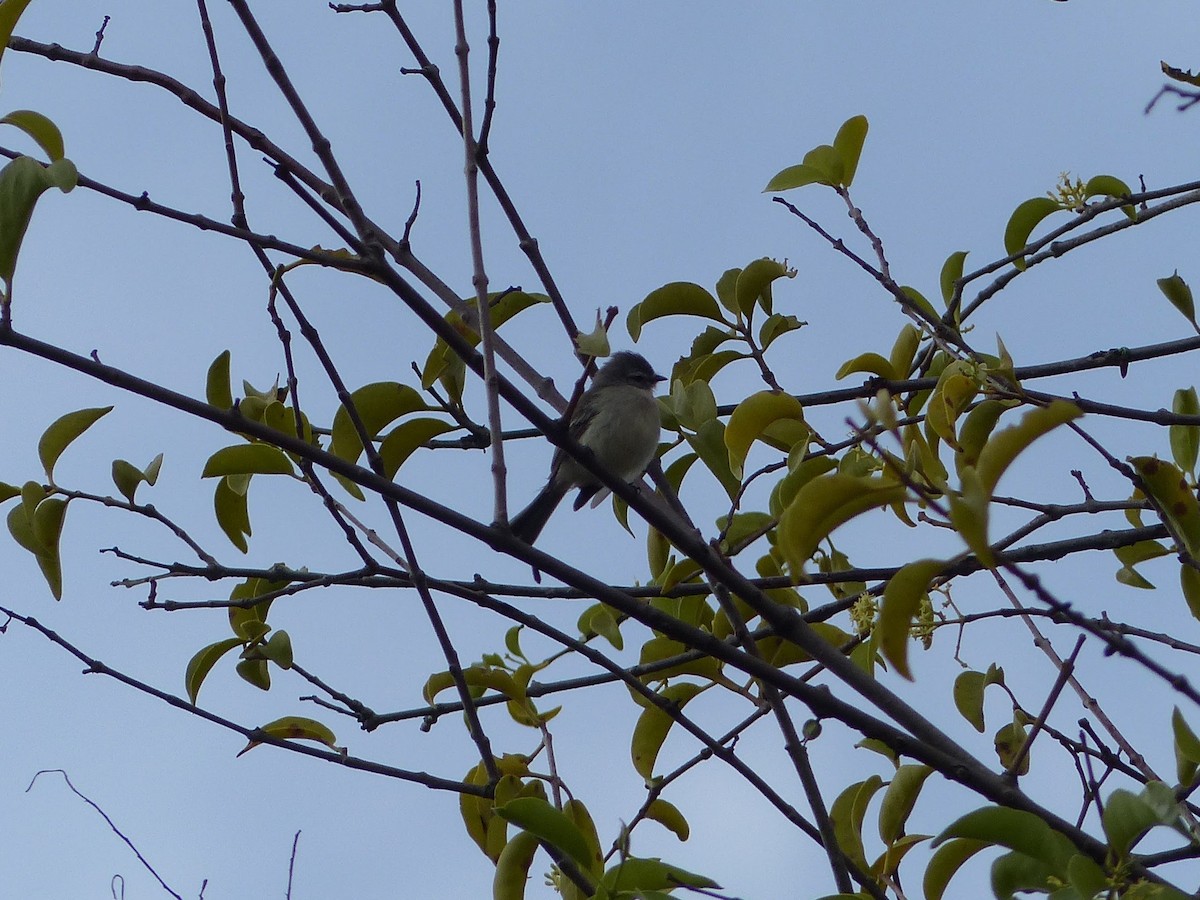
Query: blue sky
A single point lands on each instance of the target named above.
(636, 139)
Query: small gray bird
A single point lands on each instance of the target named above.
(617, 419)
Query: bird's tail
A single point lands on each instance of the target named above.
(529, 522)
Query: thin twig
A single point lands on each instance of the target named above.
(117, 831)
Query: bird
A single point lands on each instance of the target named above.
(617, 419)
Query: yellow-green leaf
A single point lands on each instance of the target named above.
(849, 143)
(1024, 219)
(217, 389)
(679, 298)
(669, 816)
(847, 812)
(233, 513)
(1187, 748)
(823, 504)
(202, 662)
(948, 859)
(754, 284)
(63, 431)
(550, 825)
(1177, 503)
(901, 601)
(1176, 290)
(10, 12)
(1189, 580)
(899, 800)
(952, 270)
(1002, 449)
(22, 182)
(904, 351)
(301, 729)
(1111, 186)
(867, 362)
(127, 476)
(405, 439)
(512, 867)
(751, 417)
(40, 128)
(247, 459)
(1185, 439)
(378, 405)
(653, 726)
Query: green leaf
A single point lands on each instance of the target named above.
(904, 350)
(1015, 829)
(871, 363)
(595, 342)
(776, 325)
(1176, 290)
(754, 284)
(709, 444)
(62, 432)
(968, 694)
(378, 405)
(679, 298)
(578, 813)
(10, 12)
(126, 476)
(654, 724)
(435, 684)
(217, 389)
(598, 619)
(40, 128)
(202, 662)
(952, 270)
(405, 439)
(1187, 748)
(1013, 873)
(299, 728)
(550, 825)
(247, 459)
(957, 386)
(233, 513)
(1189, 582)
(948, 859)
(847, 813)
(899, 800)
(1176, 502)
(22, 182)
(823, 504)
(849, 143)
(279, 649)
(36, 525)
(918, 300)
(1024, 219)
(901, 602)
(1009, 742)
(1007, 443)
(638, 876)
(254, 672)
(669, 816)
(512, 867)
(1126, 818)
(796, 177)
(826, 160)
(751, 418)
(1110, 186)
(1185, 439)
